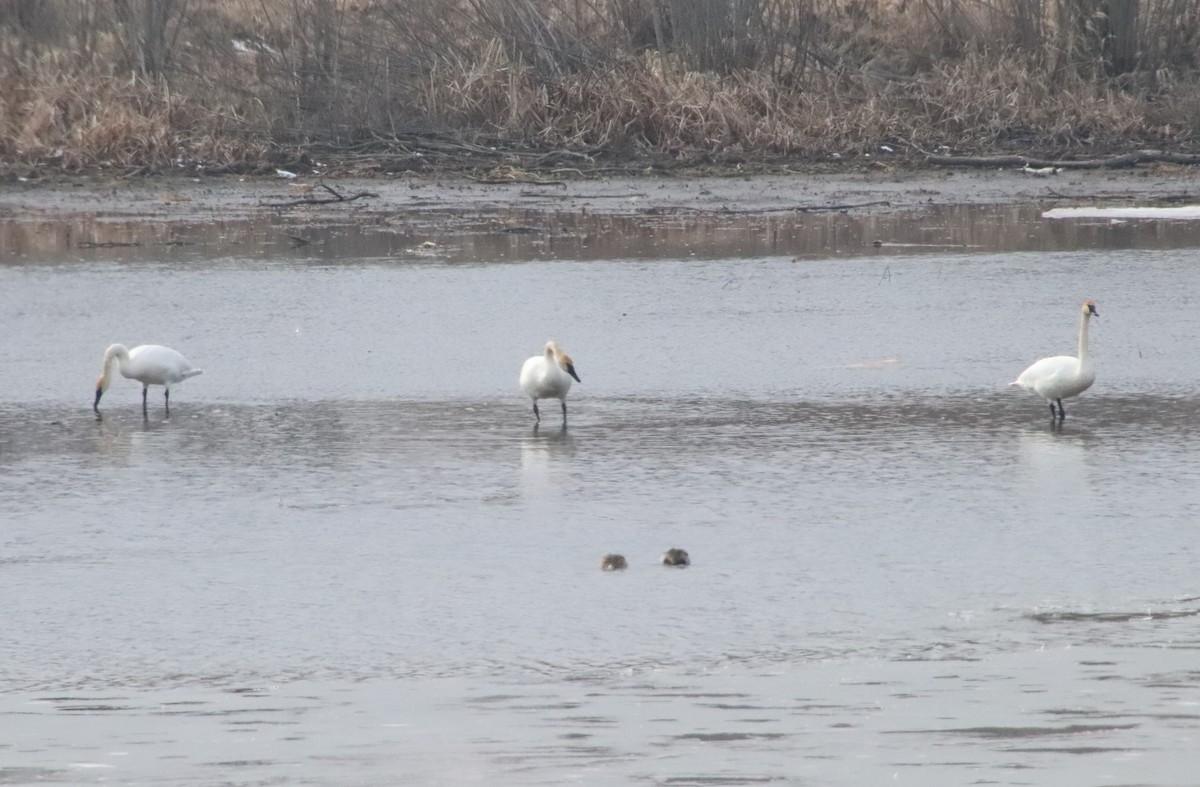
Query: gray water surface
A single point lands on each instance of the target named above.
(348, 557)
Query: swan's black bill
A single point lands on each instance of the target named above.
(1092, 310)
(571, 371)
(96, 401)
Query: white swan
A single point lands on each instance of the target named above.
(548, 376)
(149, 364)
(1062, 376)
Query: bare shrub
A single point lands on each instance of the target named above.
(156, 82)
(148, 31)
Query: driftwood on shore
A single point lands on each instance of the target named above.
(1112, 162)
(336, 198)
(725, 210)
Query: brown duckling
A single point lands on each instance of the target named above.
(613, 563)
(676, 557)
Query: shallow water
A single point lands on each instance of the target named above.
(348, 557)
(436, 235)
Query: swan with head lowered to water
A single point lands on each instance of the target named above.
(149, 364)
(548, 376)
(1062, 376)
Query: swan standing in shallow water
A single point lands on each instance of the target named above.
(548, 376)
(1062, 376)
(149, 364)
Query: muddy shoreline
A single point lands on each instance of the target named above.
(225, 197)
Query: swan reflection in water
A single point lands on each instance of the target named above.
(1055, 468)
(548, 441)
(554, 435)
(545, 460)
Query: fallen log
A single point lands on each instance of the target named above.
(336, 198)
(1113, 162)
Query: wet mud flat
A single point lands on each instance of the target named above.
(188, 221)
(885, 190)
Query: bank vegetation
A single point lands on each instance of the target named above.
(412, 85)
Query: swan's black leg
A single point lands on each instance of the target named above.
(564, 406)
(167, 401)
(145, 388)
(1053, 412)
(1062, 414)
(536, 414)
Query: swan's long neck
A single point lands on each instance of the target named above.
(120, 355)
(1083, 338)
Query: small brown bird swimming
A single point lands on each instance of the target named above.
(613, 563)
(676, 557)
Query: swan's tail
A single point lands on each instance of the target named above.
(191, 373)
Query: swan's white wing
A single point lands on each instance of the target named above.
(1060, 375)
(159, 365)
(542, 379)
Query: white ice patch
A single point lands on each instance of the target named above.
(1180, 213)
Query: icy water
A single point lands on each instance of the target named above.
(348, 557)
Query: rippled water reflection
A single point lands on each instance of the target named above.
(349, 557)
(462, 236)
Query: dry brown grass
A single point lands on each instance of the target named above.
(248, 84)
(651, 102)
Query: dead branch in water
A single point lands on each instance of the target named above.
(727, 211)
(1125, 196)
(336, 198)
(1113, 162)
